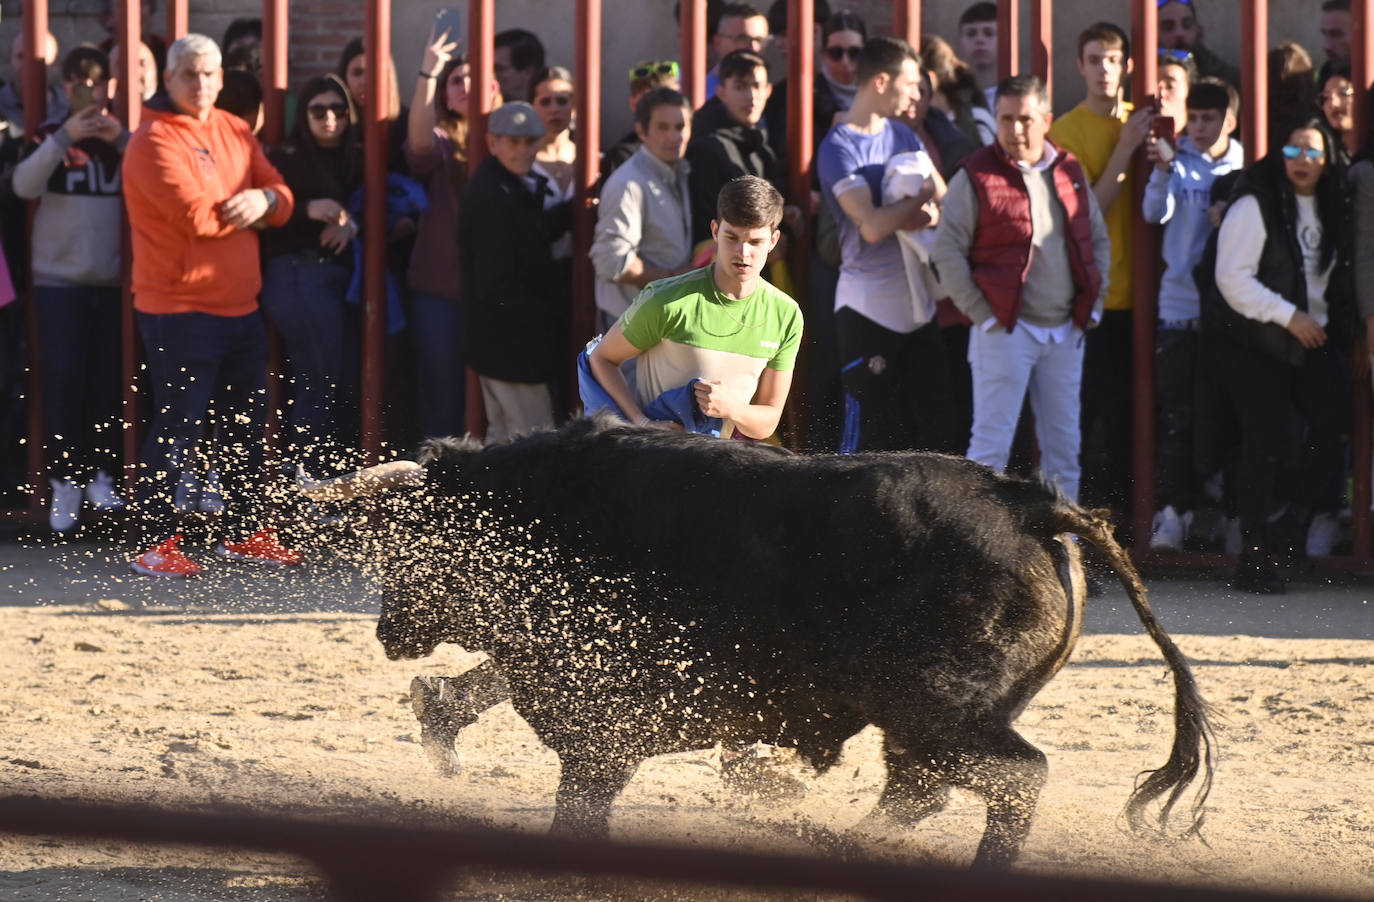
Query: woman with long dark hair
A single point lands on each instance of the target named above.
(1278, 325)
(309, 263)
(436, 151)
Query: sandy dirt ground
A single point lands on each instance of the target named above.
(271, 691)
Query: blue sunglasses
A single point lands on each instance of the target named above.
(1293, 151)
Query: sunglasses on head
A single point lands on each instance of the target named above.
(838, 53)
(320, 110)
(1174, 53)
(1159, 3)
(655, 67)
(1293, 151)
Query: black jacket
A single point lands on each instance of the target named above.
(1280, 270)
(721, 150)
(325, 173)
(508, 298)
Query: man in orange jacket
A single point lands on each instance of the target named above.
(197, 186)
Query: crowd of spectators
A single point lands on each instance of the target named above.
(971, 263)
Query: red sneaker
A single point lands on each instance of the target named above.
(261, 547)
(166, 559)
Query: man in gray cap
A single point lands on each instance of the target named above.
(507, 272)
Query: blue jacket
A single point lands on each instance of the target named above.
(405, 197)
(1179, 198)
(676, 404)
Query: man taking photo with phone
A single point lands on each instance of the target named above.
(73, 166)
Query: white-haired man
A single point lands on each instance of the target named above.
(197, 186)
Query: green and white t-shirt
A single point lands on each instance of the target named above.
(686, 329)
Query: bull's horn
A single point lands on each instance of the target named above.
(362, 483)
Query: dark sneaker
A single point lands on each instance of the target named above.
(444, 705)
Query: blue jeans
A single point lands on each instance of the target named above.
(304, 299)
(194, 358)
(79, 337)
(436, 336)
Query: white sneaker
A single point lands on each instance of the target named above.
(65, 508)
(1169, 530)
(1322, 535)
(101, 494)
(211, 494)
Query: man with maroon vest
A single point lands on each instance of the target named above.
(1021, 249)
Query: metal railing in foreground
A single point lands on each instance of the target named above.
(375, 861)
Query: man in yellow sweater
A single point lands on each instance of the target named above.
(1103, 132)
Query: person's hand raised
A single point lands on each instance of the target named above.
(89, 123)
(438, 51)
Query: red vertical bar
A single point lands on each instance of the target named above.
(275, 39)
(1362, 59)
(377, 47)
(481, 47)
(178, 20)
(481, 41)
(128, 106)
(906, 21)
(35, 111)
(801, 77)
(1254, 78)
(1144, 286)
(275, 67)
(587, 96)
(692, 42)
(1042, 42)
(1008, 38)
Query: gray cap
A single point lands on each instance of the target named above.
(515, 120)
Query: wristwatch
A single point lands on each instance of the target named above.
(271, 202)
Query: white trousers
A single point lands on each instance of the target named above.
(515, 408)
(1004, 365)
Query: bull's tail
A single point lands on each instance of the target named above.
(1192, 758)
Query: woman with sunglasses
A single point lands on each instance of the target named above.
(552, 91)
(309, 263)
(842, 40)
(1278, 327)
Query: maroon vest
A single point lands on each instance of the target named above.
(1001, 252)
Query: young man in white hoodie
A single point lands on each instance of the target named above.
(1178, 196)
(73, 165)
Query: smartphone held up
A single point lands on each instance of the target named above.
(1166, 140)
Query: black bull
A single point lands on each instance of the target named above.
(647, 592)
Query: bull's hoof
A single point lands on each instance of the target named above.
(442, 712)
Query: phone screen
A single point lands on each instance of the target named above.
(454, 20)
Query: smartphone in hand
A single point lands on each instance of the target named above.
(454, 20)
(1166, 141)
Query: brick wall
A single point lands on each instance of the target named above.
(318, 30)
